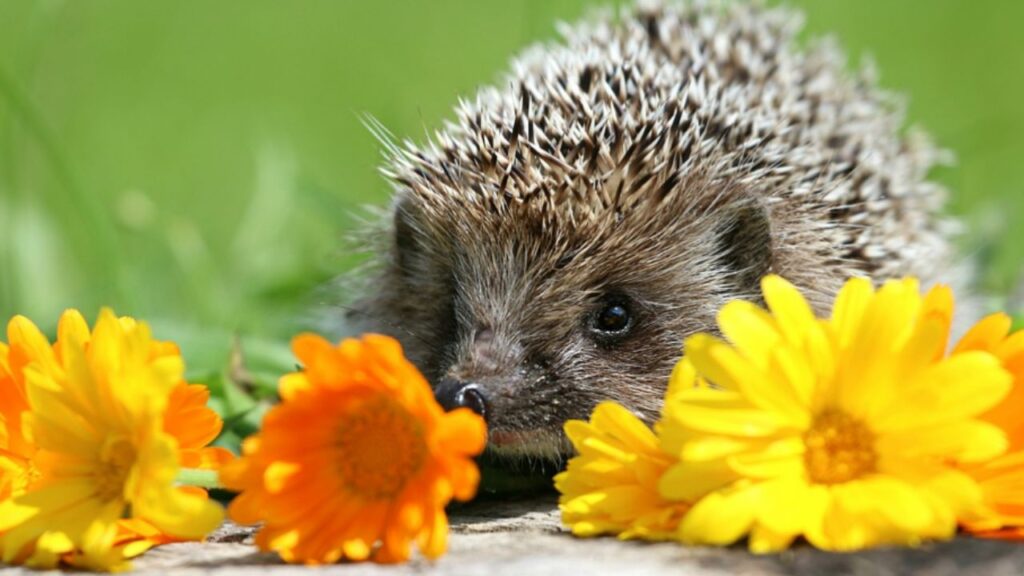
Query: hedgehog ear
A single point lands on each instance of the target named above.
(404, 228)
(745, 243)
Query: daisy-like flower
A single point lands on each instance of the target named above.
(193, 425)
(841, 431)
(99, 458)
(611, 486)
(358, 460)
(1001, 479)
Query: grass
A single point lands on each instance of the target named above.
(197, 163)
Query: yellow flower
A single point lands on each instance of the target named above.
(193, 425)
(611, 487)
(101, 458)
(1001, 479)
(357, 461)
(840, 430)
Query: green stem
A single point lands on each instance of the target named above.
(199, 478)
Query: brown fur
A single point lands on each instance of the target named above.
(670, 157)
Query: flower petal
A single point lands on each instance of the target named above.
(722, 517)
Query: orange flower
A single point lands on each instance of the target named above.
(1001, 479)
(358, 460)
(16, 449)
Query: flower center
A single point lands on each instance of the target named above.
(382, 446)
(839, 448)
(112, 473)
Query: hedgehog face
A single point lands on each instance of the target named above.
(553, 245)
(532, 323)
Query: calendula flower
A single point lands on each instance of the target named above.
(101, 459)
(1002, 478)
(187, 419)
(841, 431)
(358, 460)
(193, 425)
(611, 486)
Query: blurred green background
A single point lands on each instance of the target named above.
(197, 162)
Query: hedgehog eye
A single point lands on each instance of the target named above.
(612, 319)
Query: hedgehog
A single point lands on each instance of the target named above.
(553, 245)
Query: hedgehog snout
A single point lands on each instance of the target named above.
(452, 393)
(484, 373)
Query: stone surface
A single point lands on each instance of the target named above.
(519, 538)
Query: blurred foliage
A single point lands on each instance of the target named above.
(197, 163)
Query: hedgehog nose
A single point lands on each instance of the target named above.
(454, 394)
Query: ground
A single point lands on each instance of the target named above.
(499, 537)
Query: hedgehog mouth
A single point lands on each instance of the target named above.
(501, 439)
(536, 444)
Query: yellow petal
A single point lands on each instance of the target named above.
(683, 377)
(986, 334)
(616, 420)
(724, 366)
(720, 518)
(871, 357)
(781, 458)
(899, 502)
(848, 311)
(938, 306)
(961, 386)
(725, 413)
(750, 329)
(780, 510)
(964, 441)
(25, 337)
(765, 541)
(705, 448)
(801, 374)
(793, 315)
(72, 329)
(180, 514)
(690, 481)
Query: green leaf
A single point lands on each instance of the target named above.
(199, 478)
